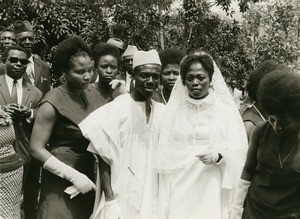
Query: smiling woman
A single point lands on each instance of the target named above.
(65, 160)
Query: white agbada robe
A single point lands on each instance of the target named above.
(119, 133)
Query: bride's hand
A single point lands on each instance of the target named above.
(208, 156)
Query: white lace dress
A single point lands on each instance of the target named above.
(192, 189)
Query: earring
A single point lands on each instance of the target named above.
(211, 85)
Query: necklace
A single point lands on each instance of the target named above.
(258, 112)
(289, 154)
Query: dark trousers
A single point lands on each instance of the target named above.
(31, 188)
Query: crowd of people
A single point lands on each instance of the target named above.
(133, 134)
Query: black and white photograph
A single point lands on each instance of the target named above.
(149, 109)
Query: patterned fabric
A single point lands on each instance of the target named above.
(10, 194)
(7, 135)
(10, 182)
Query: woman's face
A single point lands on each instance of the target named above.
(197, 81)
(80, 72)
(284, 124)
(107, 68)
(169, 76)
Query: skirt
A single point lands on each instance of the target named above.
(54, 202)
(10, 193)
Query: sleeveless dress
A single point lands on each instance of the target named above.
(251, 115)
(274, 191)
(11, 174)
(69, 146)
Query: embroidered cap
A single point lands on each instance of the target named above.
(130, 51)
(144, 58)
(22, 26)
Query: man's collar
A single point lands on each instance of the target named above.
(10, 80)
(31, 58)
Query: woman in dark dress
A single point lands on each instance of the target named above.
(57, 141)
(270, 182)
(253, 113)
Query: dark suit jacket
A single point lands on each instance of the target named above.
(2, 68)
(41, 72)
(31, 98)
(42, 75)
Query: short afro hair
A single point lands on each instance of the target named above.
(171, 56)
(103, 49)
(14, 47)
(256, 76)
(68, 49)
(279, 92)
(204, 59)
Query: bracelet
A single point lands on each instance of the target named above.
(219, 158)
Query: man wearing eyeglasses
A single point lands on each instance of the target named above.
(38, 72)
(19, 98)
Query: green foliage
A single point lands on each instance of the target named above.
(223, 39)
(273, 31)
(55, 21)
(268, 31)
(136, 25)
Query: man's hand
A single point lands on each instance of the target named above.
(10, 108)
(20, 111)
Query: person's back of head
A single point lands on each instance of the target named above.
(256, 76)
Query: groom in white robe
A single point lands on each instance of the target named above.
(123, 134)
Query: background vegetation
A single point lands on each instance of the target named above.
(268, 29)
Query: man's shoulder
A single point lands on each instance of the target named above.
(2, 68)
(122, 98)
(31, 88)
(40, 62)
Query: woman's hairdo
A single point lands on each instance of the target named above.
(204, 59)
(70, 48)
(279, 92)
(171, 56)
(256, 76)
(103, 49)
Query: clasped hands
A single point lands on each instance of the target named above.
(17, 110)
(209, 156)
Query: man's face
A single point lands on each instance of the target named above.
(16, 64)
(7, 39)
(26, 40)
(128, 64)
(147, 79)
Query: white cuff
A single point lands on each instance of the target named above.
(30, 119)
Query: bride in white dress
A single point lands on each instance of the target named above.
(202, 145)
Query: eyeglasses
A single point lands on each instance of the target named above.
(15, 60)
